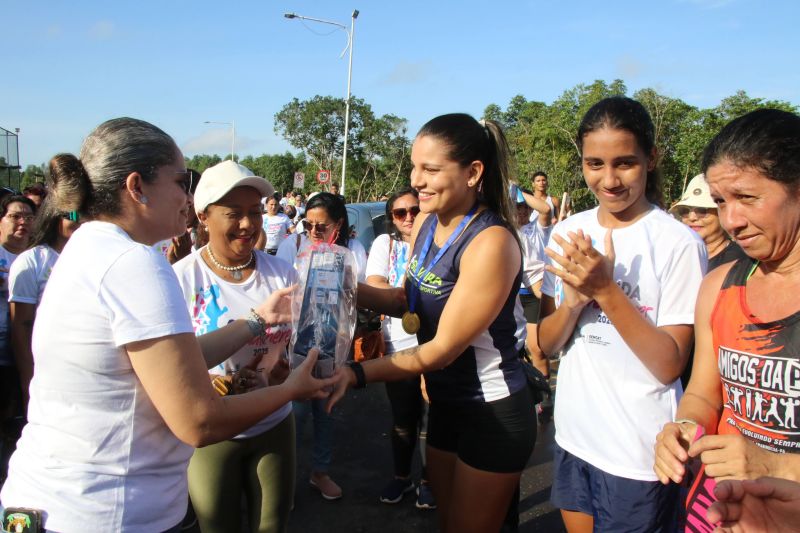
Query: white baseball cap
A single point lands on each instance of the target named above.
(219, 180)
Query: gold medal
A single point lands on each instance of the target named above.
(410, 322)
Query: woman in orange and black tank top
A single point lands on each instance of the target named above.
(740, 416)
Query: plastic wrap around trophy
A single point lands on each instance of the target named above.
(324, 307)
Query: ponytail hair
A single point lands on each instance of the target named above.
(68, 188)
(623, 113)
(68, 184)
(470, 140)
(109, 154)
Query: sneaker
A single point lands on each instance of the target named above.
(326, 486)
(396, 489)
(425, 498)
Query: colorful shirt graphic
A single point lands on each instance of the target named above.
(206, 310)
(759, 367)
(213, 302)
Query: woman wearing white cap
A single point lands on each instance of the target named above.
(220, 282)
(697, 210)
(120, 393)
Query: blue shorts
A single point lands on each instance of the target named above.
(615, 503)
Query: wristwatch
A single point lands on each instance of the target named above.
(358, 370)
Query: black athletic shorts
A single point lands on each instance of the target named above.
(493, 436)
(530, 306)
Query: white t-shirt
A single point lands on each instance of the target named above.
(532, 237)
(29, 274)
(6, 260)
(96, 453)
(391, 266)
(276, 228)
(609, 407)
(162, 247)
(553, 214)
(213, 302)
(288, 252)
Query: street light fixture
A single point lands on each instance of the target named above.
(232, 124)
(350, 34)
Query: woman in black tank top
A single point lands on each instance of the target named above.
(482, 423)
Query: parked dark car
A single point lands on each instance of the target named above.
(368, 220)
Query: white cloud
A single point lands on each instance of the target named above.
(629, 67)
(217, 141)
(406, 73)
(102, 30)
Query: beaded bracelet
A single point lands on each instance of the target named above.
(256, 323)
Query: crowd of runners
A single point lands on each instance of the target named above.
(145, 313)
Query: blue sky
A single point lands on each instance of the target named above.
(177, 63)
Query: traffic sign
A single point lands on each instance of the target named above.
(299, 180)
(324, 176)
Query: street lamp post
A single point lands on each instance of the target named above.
(232, 124)
(350, 34)
(19, 167)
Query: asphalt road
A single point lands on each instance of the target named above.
(362, 465)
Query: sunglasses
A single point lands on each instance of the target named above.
(401, 212)
(319, 228)
(701, 212)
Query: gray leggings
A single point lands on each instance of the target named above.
(263, 467)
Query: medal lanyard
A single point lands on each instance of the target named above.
(419, 274)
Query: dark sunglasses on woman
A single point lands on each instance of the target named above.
(684, 210)
(401, 212)
(318, 227)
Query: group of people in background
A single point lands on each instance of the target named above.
(676, 329)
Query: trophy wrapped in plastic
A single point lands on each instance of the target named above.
(324, 306)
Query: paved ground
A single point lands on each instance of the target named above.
(362, 465)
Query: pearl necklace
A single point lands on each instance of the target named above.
(236, 271)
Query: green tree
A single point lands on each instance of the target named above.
(543, 137)
(668, 115)
(31, 175)
(316, 127)
(698, 126)
(201, 162)
(376, 145)
(740, 104)
(384, 157)
(278, 169)
(515, 108)
(493, 112)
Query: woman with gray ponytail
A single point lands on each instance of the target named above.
(461, 293)
(120, 392)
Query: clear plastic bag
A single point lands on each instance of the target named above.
(324, 306)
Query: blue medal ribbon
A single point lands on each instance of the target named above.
(420, 274)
